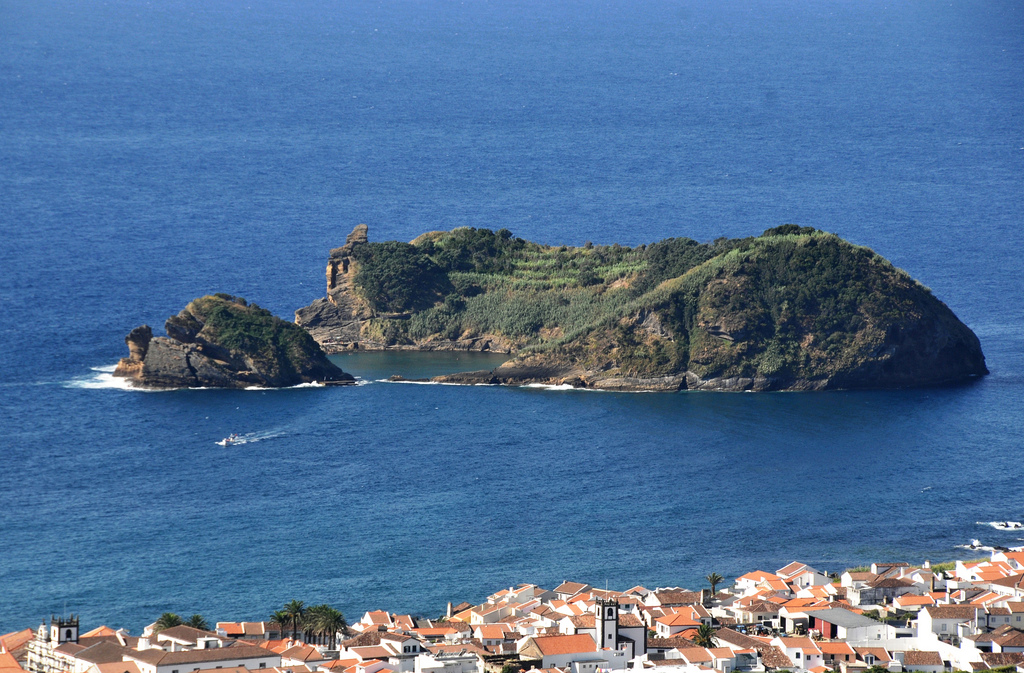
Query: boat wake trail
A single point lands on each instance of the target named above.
(1003, 525)
(250, 438)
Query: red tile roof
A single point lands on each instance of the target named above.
(553, 645)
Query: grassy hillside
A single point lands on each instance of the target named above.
(792, 304)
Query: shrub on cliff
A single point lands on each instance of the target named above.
(246, 328)
(398, 277)
(475, 250)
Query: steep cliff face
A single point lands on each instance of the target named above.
(345, 320)
(221, 341)
(335, 320)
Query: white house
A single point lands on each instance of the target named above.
(748, 584)
(803, 652)
(950, 620)
(802, 575)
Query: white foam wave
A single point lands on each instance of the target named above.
(548, 386)
(420, 383)
(975, 545)
(104, 379)
(566, 386)
(311, 384)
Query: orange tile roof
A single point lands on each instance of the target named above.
(7, 660)
(15, 639)
(794, 568)
(878, 653)
(492, 631)
(911, 599)
(695, 655)
(759, 576)
(835, 648)
(435, 631)
(554, 645)
(99, 631)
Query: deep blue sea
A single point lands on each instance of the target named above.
(152, 152)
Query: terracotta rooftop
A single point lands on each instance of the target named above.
(571, 588)
(952, 611)
(997, 659)
(671, 597)
(922, 658)
(161, 658)
(553, 645)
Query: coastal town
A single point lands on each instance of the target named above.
(967, 616)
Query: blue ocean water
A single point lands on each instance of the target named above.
(151, 152)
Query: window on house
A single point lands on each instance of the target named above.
(943, 627)
(797, 655)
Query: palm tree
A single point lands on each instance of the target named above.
(282, 619)
(331, 622)
(197, 622)
(296, 611)
(705, 636)
(714, 579)
(167, 620)
(313, 623)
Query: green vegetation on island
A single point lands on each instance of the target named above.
(792, 308)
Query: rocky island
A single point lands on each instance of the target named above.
(792, 309)
(222, 341)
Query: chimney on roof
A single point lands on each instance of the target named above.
(449, 613)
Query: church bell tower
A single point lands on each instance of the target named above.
(606, 621)
(63, 630)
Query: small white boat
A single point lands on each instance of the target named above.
(233, 438)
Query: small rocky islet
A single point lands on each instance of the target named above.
(222, 341)
(792, 309)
